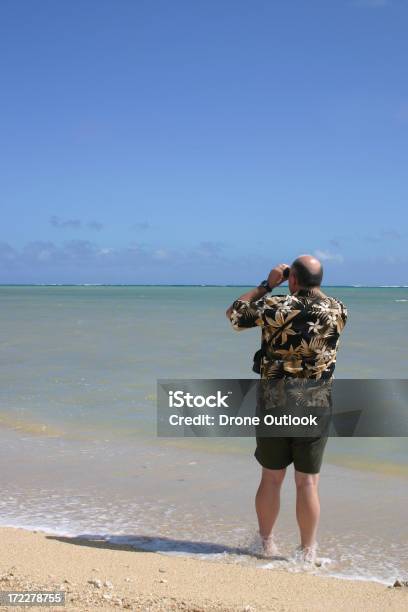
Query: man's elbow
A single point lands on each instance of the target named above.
(231, 318)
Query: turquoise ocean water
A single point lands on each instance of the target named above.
(78, 375)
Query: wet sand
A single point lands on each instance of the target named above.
(97, 575)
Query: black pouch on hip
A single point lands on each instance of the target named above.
(256, 366)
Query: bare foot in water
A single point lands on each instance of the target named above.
(269, 548)
(307, 554)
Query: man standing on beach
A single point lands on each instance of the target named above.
(300, 338)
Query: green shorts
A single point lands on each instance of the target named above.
(277, 453)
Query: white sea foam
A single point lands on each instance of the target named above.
(213, 552)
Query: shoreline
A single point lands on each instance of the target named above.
(119, 493)
(125, 577)
(147, 544)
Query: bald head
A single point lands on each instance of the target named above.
(308, 271)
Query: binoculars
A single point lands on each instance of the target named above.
(286, 273)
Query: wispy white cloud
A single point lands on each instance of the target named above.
(328, 256)
(95, 225)
(141, 225)
(391, 234)
(334, 243)
(161, 254)
(74, 224)
(209, 249)
(384, 234)
(79, 253)
(106, 251)
(65, 224)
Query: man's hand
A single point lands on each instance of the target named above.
(275, 277)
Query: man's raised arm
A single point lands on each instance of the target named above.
(275, 278)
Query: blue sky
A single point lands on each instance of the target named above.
(202, 141)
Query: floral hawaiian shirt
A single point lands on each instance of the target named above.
(300, 332)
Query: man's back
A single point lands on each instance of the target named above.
(300, 337)
(300, 332)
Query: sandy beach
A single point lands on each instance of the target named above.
(102, 576)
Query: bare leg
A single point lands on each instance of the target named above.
(307, 507)
(267, 501)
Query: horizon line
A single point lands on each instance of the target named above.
(354, 286)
